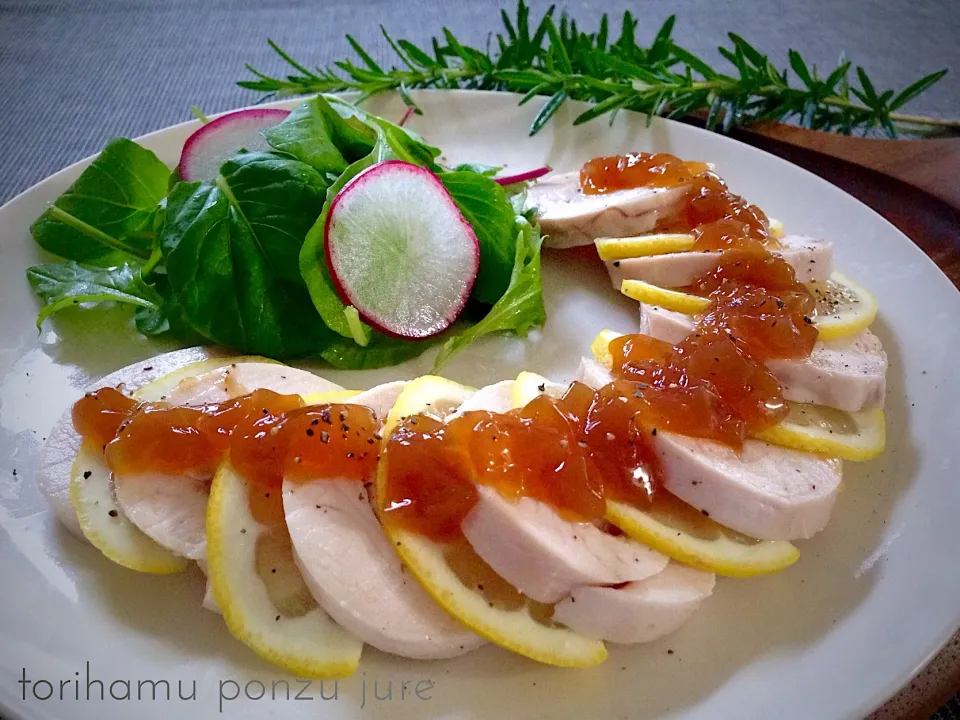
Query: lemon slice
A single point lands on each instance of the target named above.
(682, 533)
(843, 307)
(92, 494)
(775, 228)
(816, 429)
(258, 588)
(429, 395)
(529, 385)
(642, 246)
(668, 299)
(331, 396)
(104, 524)
(658, 243)
(160, 388)
(515, 628)
(600, 347)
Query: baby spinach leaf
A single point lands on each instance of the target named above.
(309, 134)
(231, 249)
(407, 145)
(106, 217)
(62, 285)
(521, 306)
(485, 206)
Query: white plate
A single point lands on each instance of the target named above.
(871, 599)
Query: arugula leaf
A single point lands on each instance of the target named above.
(151, 321)
(63, 285)
(521, 306)
(382, 351)
(231, 248)
(485, 206)
(310, 134)
(106, 217)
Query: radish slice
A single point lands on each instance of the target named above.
(524, 176)
(400, 251)
(214, 143)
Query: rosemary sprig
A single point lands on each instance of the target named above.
(554, 58)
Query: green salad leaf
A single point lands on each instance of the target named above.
(106, 217)
(167, 318)
(390, 145)
(152, 321)
(231, 248)
(521, 306)
(239, 260)
(63, 285)
(485, 206)
(381, 351)
(408, 145)
(314, 134)
(479, 168)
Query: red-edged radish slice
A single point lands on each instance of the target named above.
(210, 146)
(400, 251)
(524, 176)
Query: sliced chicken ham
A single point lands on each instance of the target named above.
(765, 491)
(63, 442)
(494, 398)
(637, 612)
(355, 576)
(172, 510)
(848, 374)
(568, 217)
(538, 552)
(546, 557)
(812, 260)
(245, 377)
(353, 573)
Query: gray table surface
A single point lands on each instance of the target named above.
(75, 73)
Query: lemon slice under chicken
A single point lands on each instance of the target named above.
(643, 245)
(452, 573)
(680, 531)
(103, 523)
(856, 436)
(844, 308)
(347, 562)
(612, 248)
(62, 443)
(675, 300)
(258, 587)
(171, 509)
(91, 487)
